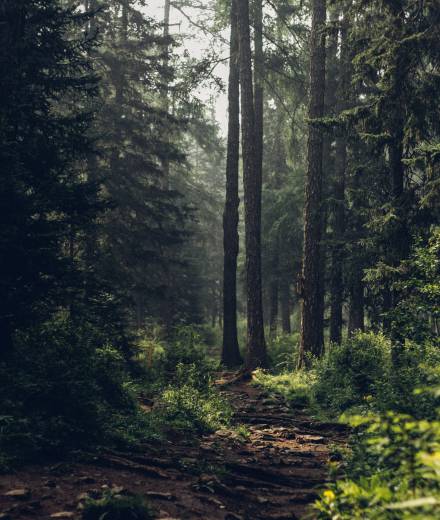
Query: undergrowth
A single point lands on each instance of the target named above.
(389, 395)
(117, 507)
(66, 389)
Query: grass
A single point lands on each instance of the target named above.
(117, 507)
(293, 386)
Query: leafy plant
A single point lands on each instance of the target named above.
(117, 507)
(349, 373)
(189, 406)
(393, 472)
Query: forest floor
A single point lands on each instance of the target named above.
(273, 472)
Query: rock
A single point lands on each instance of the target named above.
(63, 514)
(233, 516)
(21, 493)
(206, 479)
(50, 483)
(118, 490)
(262, 500)
(5, 516)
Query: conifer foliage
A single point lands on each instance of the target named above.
(47, 86)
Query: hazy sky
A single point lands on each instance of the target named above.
(197, 44)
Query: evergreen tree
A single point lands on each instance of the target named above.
(46, 206)
(230, 353)
(252, 181)
(312, 276)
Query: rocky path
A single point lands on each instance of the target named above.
(271, 473)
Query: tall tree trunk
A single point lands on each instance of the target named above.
(337, 254)
(231, 352)
(285, 308)
(166, 99)
(356, 303)
(273, 302)
(256, 344)
(311, 317)
(258, 85)
(328, 167)
(167, 305)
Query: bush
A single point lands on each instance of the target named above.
(117, 507)
(61, 389)
(295, 387)
(416, 367)
(393, 473)
(283, 352)
(188, 406)
(350, 373)
(185, 348)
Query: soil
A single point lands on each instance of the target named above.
(274, 473)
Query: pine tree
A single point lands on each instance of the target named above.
(256, 344)
(311, 308)
(231, 354)
(144, 228)
(46, 84)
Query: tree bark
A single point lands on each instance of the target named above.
(356, 307)
(252, 181)
(311, 317)
(285, 308)
(231, 352)
(258, 85)
(273, 302)
(337, 254)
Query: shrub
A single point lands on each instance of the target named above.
(351, 372)
(188, 406)
(185, 348)
(61, 389)
(393, 473)
(117, 507)
(283, 352)
(417, 367)
(295, 387)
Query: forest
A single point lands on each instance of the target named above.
(220, 259)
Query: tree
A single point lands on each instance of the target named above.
(395, 59)
(338, 195)
(46, 205)
(252, 181)
(142, 232)
(311, 317)
(231, 354)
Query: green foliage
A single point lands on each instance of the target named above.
(393, 472)
(63, 388)
(349, 373)
(117, 507)
(282, 351)
(295, 386)
(366, 372)
(417, 314)
(186, 347)
(192, 404)
(416, 367)
(47, 84)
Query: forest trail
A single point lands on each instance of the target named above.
(273, 474)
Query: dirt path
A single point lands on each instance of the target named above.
(273, 474)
